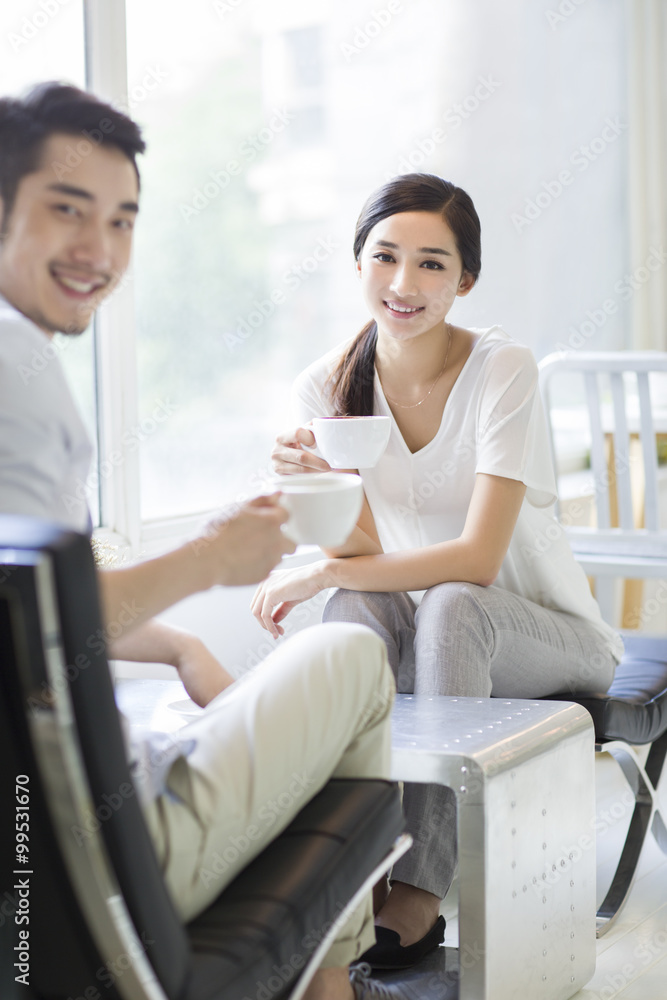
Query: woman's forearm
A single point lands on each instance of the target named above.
(413, 569)
(474, 557)
(358, 544)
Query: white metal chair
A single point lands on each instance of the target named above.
(626, 403)
(626, 400)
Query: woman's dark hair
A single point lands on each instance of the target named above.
(26, 123)
(351, 383)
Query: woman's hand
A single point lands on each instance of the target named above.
(289, 456)
(282, 591)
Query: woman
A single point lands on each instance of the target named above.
(456, 560)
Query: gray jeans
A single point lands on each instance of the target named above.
(471, 641)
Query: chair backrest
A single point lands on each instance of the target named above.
(101, 917)
(621, 410)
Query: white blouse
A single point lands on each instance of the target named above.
(493, 422)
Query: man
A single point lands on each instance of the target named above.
(319, 705)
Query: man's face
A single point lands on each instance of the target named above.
(68, 238)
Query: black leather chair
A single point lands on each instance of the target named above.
(84, 912)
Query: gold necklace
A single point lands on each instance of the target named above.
(411, 406)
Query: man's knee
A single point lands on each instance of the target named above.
(355, 642)
(344, 641)
(359, 650)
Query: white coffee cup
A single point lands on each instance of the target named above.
(323, 507)
(351, 442)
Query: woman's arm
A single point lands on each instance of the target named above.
(364, 540)
(475, 557)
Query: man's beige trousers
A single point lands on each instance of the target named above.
(318, 707)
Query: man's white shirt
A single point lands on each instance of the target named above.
(45, 450)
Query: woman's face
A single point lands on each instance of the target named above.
(411, 273)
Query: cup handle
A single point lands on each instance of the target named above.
(312, 448)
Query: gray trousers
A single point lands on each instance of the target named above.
(466, 640)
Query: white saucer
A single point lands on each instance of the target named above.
(185, 707)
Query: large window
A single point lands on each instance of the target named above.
(268, 124)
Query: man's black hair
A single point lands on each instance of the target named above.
(26, 123)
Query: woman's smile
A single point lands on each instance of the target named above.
(401, 310)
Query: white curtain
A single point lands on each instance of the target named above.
(648, 172)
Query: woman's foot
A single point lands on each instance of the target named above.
(407, 928)
(409, 911)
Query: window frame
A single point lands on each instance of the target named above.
(115, 333)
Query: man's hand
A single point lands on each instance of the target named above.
(289, 456)
(239, 547)
(244, 545)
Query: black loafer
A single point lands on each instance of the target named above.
(389, 953)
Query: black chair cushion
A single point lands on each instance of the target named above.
(635, 707)
(282, 903)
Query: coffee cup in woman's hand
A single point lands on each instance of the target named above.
(352, 442)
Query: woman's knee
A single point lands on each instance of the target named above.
(455, 603)
(367, 607)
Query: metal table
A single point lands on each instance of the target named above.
(523, 774)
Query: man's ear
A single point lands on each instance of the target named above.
(465, 284)
(357, 264)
